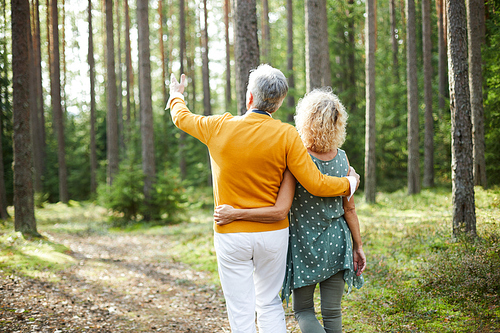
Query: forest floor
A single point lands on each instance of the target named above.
(84, 277)
(87, 276)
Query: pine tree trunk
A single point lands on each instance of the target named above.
(39, 159)
(442, 59)
(291, 77)
(182, 55)
(93, 149)
(162, 52)
(228, 55)
(23, 176)
(370, 167)
(129, 72)
(476, 29)
(34, 120)
(351, 60)
(326, 79)
(3, 101)
(394, 41)
(265, 32)
(464, 215)
(246, 46)
(112, 114)
(429, 118)
(147, 129)
(207, 109)
(55, 92)
(317, 60)
(412, 91)
(119, 94)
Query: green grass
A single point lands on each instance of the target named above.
(418, 279)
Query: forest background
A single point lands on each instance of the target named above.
(182, 161)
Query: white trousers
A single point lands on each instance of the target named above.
(251, 269)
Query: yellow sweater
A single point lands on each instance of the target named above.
(249, 154)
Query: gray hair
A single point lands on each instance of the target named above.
(268, 86)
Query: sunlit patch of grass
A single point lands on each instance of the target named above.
(35, 258)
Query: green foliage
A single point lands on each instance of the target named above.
(491, 58)
(126, 198)
(467, 272)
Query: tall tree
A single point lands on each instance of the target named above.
(93, 150)
(207, 109)
(36, 102)
(442, 58)
(119, 94)
(23, 177)
(182, 55)
(370, 167)
(112, 113)
(326, 79)
(317, 60)
(36, 153)
(246, 46)
(412, 92)
(162, 51)
(129, 71)
(429, 119)
(265, 32)
(394, 41)
(4, 102)
(57, 112)
(476, 29)
(464, 214)
(289, 55)
(228, 54)
(147, 129)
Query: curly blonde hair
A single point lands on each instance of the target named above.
(321, 119)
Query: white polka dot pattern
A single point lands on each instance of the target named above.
(320, 240)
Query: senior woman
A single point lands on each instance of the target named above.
(325, 244)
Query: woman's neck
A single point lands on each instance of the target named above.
(327, 156)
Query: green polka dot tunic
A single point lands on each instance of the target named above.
(320, 243)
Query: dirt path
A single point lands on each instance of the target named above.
(121, 283)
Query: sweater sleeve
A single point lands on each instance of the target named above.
(305, 171)
(193, 124)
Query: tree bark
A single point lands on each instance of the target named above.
(93, 149)
(351, 59)
(228, 54)
(412, 93)
(3, 101)
(326, 79)
(476, 29)
(207, 109)
(464, 214)
(246, 46)
(55, 92)
(182, 51)
(23, 176)
(429, 118)
(112, 114)
(317, 60)
(442, 59)
(147, 129)
(119, 94)
(129, 71)
(265, 32)
(162, 52)
(291, 77)
(394, 41)
(370, 166)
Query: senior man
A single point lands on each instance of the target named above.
(249, 155)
